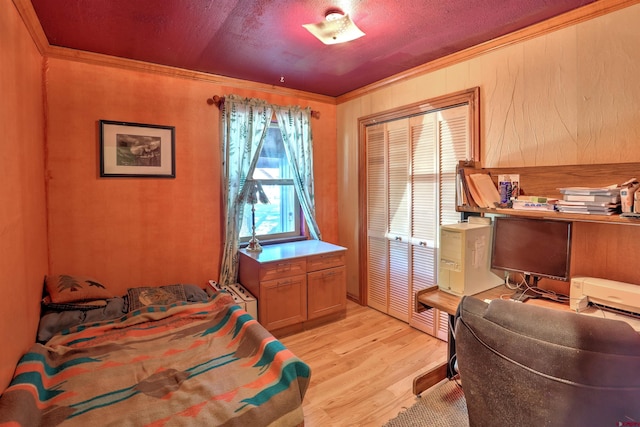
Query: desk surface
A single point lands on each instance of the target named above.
(435, 298)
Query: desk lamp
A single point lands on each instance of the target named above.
(256, 194)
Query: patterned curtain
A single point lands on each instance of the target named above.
(244, 125)
(295, 125)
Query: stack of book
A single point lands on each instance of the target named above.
(531, 203)
(586, 200)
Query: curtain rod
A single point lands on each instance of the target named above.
(218, 101)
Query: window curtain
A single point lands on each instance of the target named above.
(295, 125)
(244, 125)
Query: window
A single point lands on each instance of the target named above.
(280, 218)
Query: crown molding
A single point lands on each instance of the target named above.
(32, 23)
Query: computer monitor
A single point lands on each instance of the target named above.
(537, 248)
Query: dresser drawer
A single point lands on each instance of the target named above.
(281, 269)
(324, 261)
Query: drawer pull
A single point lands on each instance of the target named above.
(285, 283)
(328, 275)
(283, 267)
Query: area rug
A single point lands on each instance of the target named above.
(442, 406)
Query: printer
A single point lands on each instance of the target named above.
(604, 292)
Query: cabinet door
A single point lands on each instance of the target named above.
(326, 292)
(283, 302)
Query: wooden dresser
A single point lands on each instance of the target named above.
(298, 285)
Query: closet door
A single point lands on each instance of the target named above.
(424, 215)
(398, 217)
(438, 141)
(388, 218)
(411, 176)
(377, 248)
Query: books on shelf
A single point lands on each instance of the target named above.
(464, 197)
(599, 198)
(577, 203)
(508, 187)
(483, 190)
(587, 211)
(611, 190)
(586, 200)
(476, 189)
(529, 205)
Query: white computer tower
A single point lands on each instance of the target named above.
(465, 257)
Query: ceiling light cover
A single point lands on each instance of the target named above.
(335, 29)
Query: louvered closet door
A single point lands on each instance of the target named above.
(388, 218)
(377, 248)
(438, 141)
(399, 217)
(411, 164)
(424, 214)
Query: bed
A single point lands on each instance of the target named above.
(188, 360)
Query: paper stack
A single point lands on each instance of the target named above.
(588, 200)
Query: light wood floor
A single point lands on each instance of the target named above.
(362, 367)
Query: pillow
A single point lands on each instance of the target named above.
(47, 304)
(65, 288)
(195, 293)
(159, 295)
(53, 322)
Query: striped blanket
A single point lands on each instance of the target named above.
(203, 364)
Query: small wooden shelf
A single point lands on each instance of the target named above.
(546, 180)
(559, 216)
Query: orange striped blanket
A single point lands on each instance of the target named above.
(203, 364)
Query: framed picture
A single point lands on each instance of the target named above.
(137, 150)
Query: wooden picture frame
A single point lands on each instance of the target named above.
(136, 150)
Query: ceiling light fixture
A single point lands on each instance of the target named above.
(337, 27)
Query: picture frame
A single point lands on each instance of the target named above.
(137, 150)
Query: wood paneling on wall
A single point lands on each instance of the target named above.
(610, 248)
(23, 242)
(124, 232)
(570, 96)
(140, 231)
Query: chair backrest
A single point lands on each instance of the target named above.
(524, 365)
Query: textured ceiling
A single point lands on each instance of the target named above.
(264, 41)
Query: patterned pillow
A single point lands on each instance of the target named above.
(65, 288)
(160, 295)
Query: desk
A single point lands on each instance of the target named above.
(434, 298)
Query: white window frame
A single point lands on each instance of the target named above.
(298, 231)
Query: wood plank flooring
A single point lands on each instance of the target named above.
(362, 367)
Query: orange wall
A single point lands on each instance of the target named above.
(23, 242)
(141, 231)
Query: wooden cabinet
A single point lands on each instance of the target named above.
(297, 284)
(282, 302)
